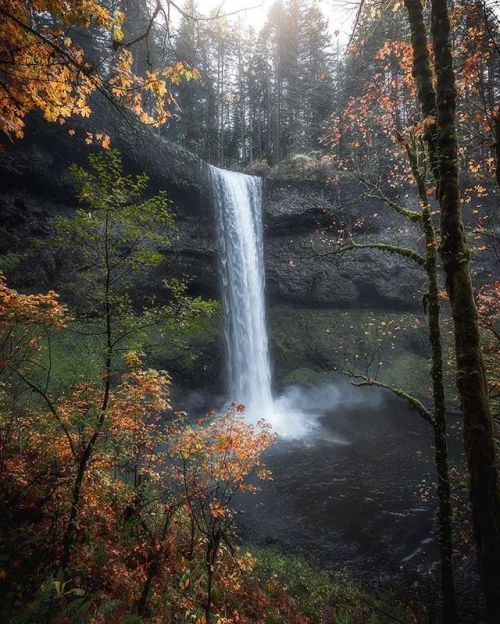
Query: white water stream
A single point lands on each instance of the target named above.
(238, 204)
(237, 200)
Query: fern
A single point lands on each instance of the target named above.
(39, 611)
(53, 603)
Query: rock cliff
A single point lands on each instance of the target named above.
(301, 217)
(35, 185)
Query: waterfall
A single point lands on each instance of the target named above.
(237, 200)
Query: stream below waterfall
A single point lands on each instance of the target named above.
(350, 495)
(356, 494)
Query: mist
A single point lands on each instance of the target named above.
(297, 412)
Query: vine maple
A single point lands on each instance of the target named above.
(156, 490)
(43, 68)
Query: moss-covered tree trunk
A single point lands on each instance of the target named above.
(423, 77)
(471, 378)
(497, 146)
(450, 615)
(440, 427)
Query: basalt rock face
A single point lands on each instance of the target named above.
(300, 223)
(313, 298)
(35, 186)
(301, 218)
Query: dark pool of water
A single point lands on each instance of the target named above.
(349, 495)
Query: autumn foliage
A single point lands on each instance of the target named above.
(373, 121)
(44, 68)
(156, 492)
(370, 135)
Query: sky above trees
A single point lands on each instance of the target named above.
(340, 14)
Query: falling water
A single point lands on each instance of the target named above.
(237, 200)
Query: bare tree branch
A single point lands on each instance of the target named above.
(412, 215)
(365, 380)
(405, 252)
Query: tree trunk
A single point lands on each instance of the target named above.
(450, 615)
(212, 550)
(444, 517)
(154, 567)
(422, 75)
(84, 459)
(70, 533)
(471, 377)
(143, 600)
(497, 146)
(209, 563)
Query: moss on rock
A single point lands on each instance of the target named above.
(310, 345)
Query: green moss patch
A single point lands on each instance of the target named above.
(309, 346)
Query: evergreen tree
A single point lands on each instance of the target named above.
(316, 79)
(189, 127)
(261, 95)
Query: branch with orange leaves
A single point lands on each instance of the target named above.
(41, 68)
